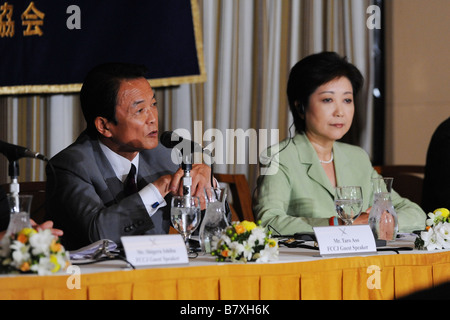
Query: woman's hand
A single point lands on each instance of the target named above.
(362, 219)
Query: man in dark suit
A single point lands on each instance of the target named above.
(87, 197)
(436, 184)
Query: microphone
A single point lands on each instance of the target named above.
(14, 152)
(170, 139)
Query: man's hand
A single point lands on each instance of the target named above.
(201, 179)
(163, 184)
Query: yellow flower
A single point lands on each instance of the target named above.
(444, 212)
(249, 226)
(27, 232)
(54, 260)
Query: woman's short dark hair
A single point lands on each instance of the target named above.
(98, 94)
(310, 73)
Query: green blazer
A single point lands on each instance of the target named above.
(294, 194)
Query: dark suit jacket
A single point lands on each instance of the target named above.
(436, 185)
(85, 198)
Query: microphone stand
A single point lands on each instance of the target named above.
(187, 179)
(14, 186)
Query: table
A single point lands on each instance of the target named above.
(298, 274)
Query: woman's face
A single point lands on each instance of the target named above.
(329, 114)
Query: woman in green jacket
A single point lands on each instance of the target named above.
(296, 191)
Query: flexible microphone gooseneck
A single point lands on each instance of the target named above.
(170, 139)
(14, 153)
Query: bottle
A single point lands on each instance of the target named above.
(382, 218)
(215, 222)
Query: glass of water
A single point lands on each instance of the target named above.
(185, 216)
(348, 201)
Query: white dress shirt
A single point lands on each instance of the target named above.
(150, 195)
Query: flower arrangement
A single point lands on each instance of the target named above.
(34, 251)
(245, 241)
(437, 234)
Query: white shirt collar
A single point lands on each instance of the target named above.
(120, 165)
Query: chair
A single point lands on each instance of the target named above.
(408, 180)
(241, 199)
(37, 190)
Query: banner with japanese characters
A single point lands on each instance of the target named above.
(48, 46)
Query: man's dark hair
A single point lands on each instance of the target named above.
(98, 94)
(312, 72)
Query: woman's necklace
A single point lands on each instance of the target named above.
(329, 161)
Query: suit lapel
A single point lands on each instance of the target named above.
(114, 185)
(309, 158)
(343, 168)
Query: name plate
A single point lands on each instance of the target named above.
(155, 249)
(337, 240)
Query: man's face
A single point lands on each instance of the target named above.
(137, 119)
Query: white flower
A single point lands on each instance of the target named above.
(430, 240)
(268, 254)
(62, 260)
(435, 218)
(431, 217)
(44, 267)
(442, 231)
(236, 249)
(40, 242)
(248, 250)
(20, 253)
(257, 235)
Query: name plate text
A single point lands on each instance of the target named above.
(336, 240)
(155, 249)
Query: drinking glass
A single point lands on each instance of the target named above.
(348, 201)
(185, 216)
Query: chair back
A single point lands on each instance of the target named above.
(408, 180)
(241, 200)
(37, 190)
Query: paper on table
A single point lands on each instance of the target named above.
(89, 251)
